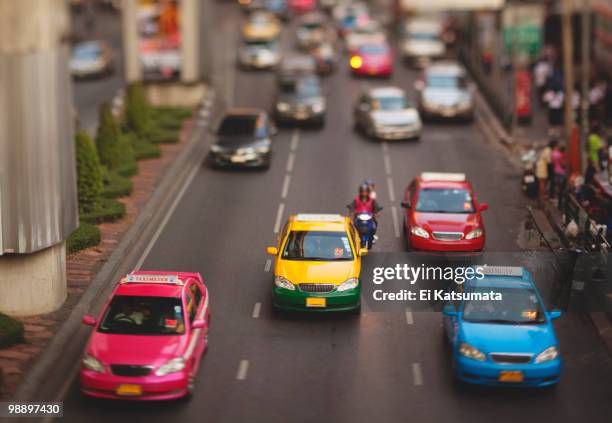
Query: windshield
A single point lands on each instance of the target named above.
(86, 52)
(446, 81)
(517, 306)
(423, 36)
(260, 43)
(318, 246)
(301, 87)
(373, 49)
(390, 103)
(134, 315)
(444, 200)
(235, 126)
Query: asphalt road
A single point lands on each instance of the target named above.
(385, 367)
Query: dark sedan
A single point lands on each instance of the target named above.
(300, 100)
(243, 139)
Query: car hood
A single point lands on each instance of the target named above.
(445, 96)
(302, 101)
(395, 117)
(136, 349)
(504, 338)
(258, 51)
(424, 47)
(231, 143)
(334, 272)
(446, 222)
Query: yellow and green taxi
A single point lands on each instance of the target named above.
(318, 263)
(261, 26)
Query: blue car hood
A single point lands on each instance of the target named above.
(508, 338)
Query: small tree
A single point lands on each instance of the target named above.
(108, 140)
(137, 110)
(89, 174)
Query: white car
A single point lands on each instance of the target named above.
(370, 33)
(422, 41)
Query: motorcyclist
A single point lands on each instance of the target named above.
(364, 203)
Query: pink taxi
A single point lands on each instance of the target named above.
(149, 340)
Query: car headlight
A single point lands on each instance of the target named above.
(418, 231)
(469, 351)
(284, 283)
(92, 363)
(548, 354)
(318, 107)
(465, 104)
(215, 148)
(473, 234)
(428, 104)
(264, 149)
(351, 283)
(283, 107)
(173, 366)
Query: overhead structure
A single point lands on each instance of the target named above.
(450, 5)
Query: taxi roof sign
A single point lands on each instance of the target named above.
(144, 278)
(314, 217)
(443, 176)
(515, 271)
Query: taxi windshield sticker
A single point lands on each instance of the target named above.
(467, 206)
(170, 323)
(345, 241)
(530, 314)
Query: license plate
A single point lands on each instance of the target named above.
(448, 113)
(511, 376)
(129, 390)
(238, 159)
(301, 115)
(316, 302)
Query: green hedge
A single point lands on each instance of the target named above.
(89, 174)
(116, 185)
(85, 236)
(180, 113)
(164, 136)
(128, 169)
(110, 211)
(145, 150)
(11, 331)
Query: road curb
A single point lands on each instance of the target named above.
(59, 356)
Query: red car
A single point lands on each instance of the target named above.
(149, 340)
(372, 60)
(302, 6)
(442, 214)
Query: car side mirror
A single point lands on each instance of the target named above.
(405, 204)
(198, 324)
(89, 320)
(273, 251)
(483, 207)
(554, 314)
(449, 310)
(363, 252)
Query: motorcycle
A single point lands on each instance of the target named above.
(529, 180)
(364, 222)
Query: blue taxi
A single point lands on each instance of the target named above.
(500, 332)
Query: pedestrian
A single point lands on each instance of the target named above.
(589, 174)
(542, 172)
(554, 98)
(550, 170)
(557, 158)
(596, 100)
(595, 144)
(542, 71)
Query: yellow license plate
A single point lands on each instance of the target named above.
(316, 302)
(511, 376)
(129, 390)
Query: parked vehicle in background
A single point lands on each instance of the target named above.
(444, 92)
(91, 59)
(422, 41)
(259, 54)
(243, 139)
(385, 113)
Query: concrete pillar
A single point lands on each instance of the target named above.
(190, 40)
(131, 57)
(38, 203)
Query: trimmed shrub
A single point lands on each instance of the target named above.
(137, 110)
(89, 174)
(145, 150)
(11, 331)
(110, 210)
(116, 185)
(107, 138)
(180, 113)
(164, 136)
(85, 236)
(129, 169)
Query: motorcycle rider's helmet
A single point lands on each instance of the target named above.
(364, 189)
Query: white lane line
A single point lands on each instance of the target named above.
(385, 148)
(290, 162)
(391, 189)
(387, 164)
(286, 183)
(268, 265)
(256, 310)
(169, 213)
(295, 139)
(417, 374)
(396, 229)
(279, 216)
(243, 369)
(409, 318)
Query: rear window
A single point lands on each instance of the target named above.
(138, 315)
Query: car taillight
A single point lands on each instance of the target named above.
(356, 62)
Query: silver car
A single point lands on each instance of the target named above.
(259, 54)
(422, 41)
(385, 113)
(444, 92)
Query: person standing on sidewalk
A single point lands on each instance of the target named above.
(542, 71)
(554, 99)
(557, 159)
(595, 145)
(542, 171)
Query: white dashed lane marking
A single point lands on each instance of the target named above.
(279, 217)
(417, 374)
(268, 265)
(396, 228)
(256, 310)
(243, 370)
